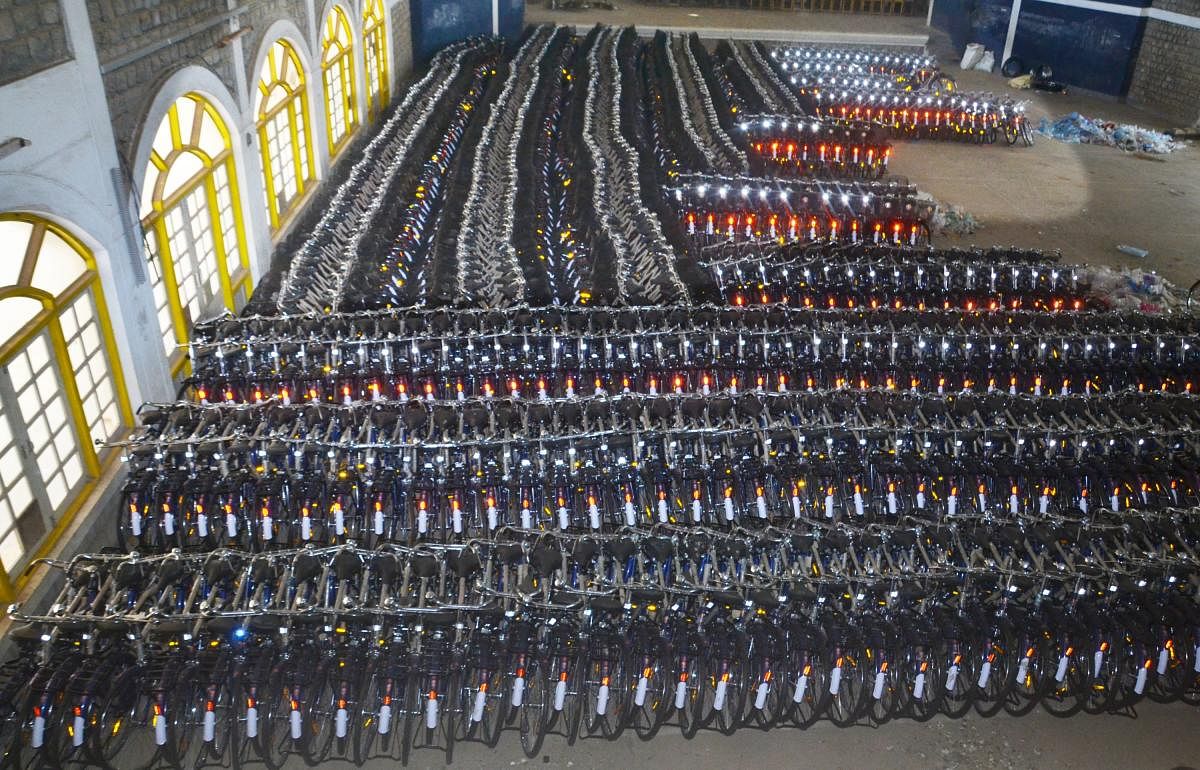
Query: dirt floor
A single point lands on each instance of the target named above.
(1083, 199)
(1156, 738)
(1161, 738)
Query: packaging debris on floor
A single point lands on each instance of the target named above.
(944, 218)
(1132, 288)
(1080, 129)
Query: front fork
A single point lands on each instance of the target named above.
(560, 686)
(341, 720)
(518, 691)
(802, 679)
(681, 687)
(764, 685)
(295, 719)
(602, 695)
(431, 703)
(643, 683)
(38, 736)
(955, 667)
(722, 685)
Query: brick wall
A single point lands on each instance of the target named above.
(1167, 75)
(32, 38)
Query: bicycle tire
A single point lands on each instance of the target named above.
(412, 717)
(958, 698)
(1062, 698)
(728, 718)
(847, 705)
(1103, 689)
(371, 718)
(814, 697)
(116, 716)
(274, 743)
(924, 705)
(1170, 685)
(990, 698)
(1023, 692)
(533, 716)
(890, 703)
(647, 718)
(575, 702)
(449, 714)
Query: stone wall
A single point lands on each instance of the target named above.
(132, 44)
(1167, 75)
(402, 57)
(32, 38)
(261, 15)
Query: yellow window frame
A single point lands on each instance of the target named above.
(232, 285)
(375, 40)
(295, 103)
(47, 320)
(337, 60)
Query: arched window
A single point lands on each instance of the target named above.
(375, 57)
(337, 70)
(61, 388)
(283, 133)
(191, 213)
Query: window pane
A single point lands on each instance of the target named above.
(186, 110)
(11, 550)
(93, 374)
(186, 166)
(14, 238)
(211, 140)
(162, 138)
(58, 265)
(46, 418)
(15, 312)
(188, 236)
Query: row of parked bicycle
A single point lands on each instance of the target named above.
(616, 393)
(340, 652)
(904, 94)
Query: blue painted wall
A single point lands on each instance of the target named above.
(1089, 49)
(974, 21)
(1085, 48)
(437, 23)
